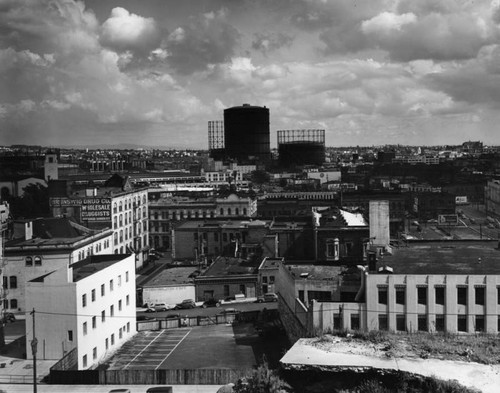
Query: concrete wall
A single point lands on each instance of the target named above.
(411, 309)
(168, 294)
(323, 316)
(379, 222)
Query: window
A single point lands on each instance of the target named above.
(355, 321)
(126, 276)
(13, 282)
(264, 279)
(242, 288)
(462, 323)
(480, 295)
(120, 333)
(103, 290)
(498, 295)
(84, 300)
(92, 295)
(422, 323)
(103, 316)
(271, 279)
(84, 361)
(439, 295)
(462, 295)
(400, 295)
(422, 295)
(440, 323)
(94, 353)
(127, 300)
(29, 261)
(5, 282)
(112, 311)
(70, 335)
(336, 321)
(13, 303)
(38, 261)
(401, 322)
(106, 343)
(479, 325)
(112, 339)
(119, 305)
(111, 285)
(128, 327)
(85, 328)
(382, 322)
(120, 280)
(94, 322)
(382, 295)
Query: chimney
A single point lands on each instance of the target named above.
(379, 223)
(28, 230)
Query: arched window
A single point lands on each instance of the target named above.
(121, 205)
(114, 208)
(237, 212)
(121, 235)
(29, 261)
(116, 238)
(244, 211)
(38, 261)
(121, 220)
(221, 211)
(115, 222)
(228, 211)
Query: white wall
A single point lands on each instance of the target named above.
(168, 294)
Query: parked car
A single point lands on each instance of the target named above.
(8, 317)
(119, 391)
(186, 303)
(162, 307)
(268, 297)
(211, 303)
(160, 389)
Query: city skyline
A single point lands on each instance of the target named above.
(153, 73)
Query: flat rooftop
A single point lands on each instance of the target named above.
(95, 263)
(224, 224)
(444, 257)
(229, 266)
(172, 276)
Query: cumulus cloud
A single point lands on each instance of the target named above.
(269, 42)
(205, 40)
(124, 31)
(407, 37)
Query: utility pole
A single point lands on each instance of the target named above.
(34, 343)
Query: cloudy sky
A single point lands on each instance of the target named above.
(153, 72)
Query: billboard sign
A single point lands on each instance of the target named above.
(448, 219)
(91, 208)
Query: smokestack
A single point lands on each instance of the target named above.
(379, 223)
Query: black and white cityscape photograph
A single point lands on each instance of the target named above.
(249, 196)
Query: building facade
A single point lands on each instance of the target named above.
(47, 245)
(87, 307)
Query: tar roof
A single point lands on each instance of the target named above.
(172, 276)
(444, 257)
(94, 264)
(229, 266)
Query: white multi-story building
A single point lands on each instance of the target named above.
(115, 205)
(45, 245)
(87, 307)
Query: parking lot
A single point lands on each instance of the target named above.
(211, 346)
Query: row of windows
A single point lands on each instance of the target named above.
(103, 314)
(225, 236)
(175, 215)
(13, 304)
(91, 250)
(10, 282)
(127, 204)
(127, 218)
(33, 260)
(93, 296)
(439, 295)
(439, 325)
(121, 331)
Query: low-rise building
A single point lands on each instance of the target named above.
(171, 286)
(45, 245)
(87, 307)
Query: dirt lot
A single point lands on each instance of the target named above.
(479, 348)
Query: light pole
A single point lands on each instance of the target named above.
(34, 344)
